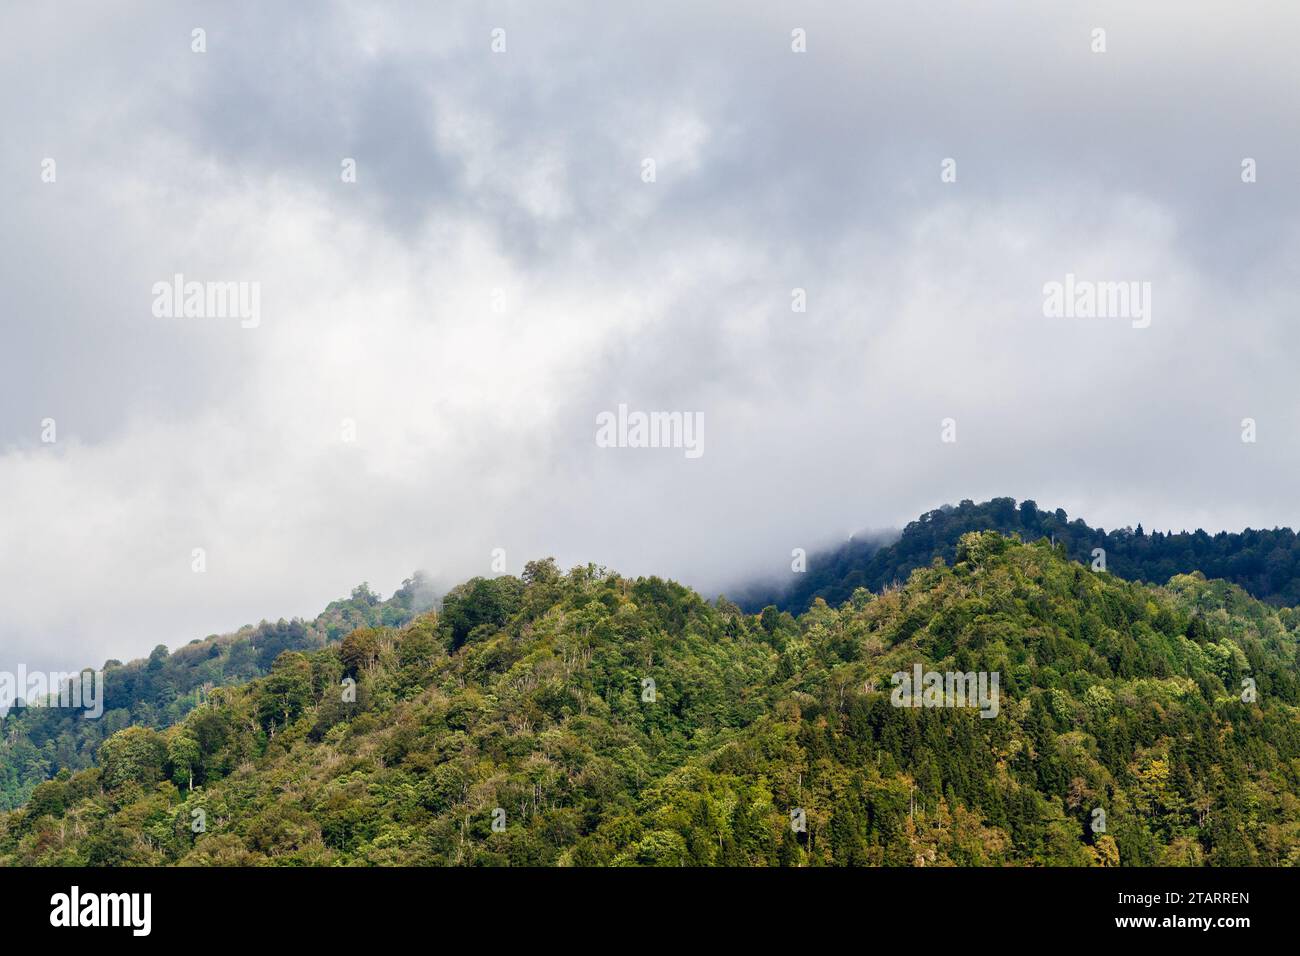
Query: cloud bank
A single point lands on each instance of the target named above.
(438, 338)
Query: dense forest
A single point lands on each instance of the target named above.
(36, 742)
(584, 718)
(1264, 563)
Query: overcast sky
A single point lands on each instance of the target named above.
(500, 273)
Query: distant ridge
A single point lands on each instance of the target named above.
(1264, 563)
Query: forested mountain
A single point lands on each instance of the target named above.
(589, 719)
(1264, 563)
(156, 692)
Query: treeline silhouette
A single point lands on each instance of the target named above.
(1264, 563)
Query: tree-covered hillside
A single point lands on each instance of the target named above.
(35, 742)
(588, 719)
(1264, 563)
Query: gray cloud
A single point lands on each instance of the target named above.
(520, 172)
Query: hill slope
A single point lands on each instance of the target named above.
(526, 704)
(159, 690)
(1264, 563)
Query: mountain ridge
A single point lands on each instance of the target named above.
(1265, 563)
(588, 719)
